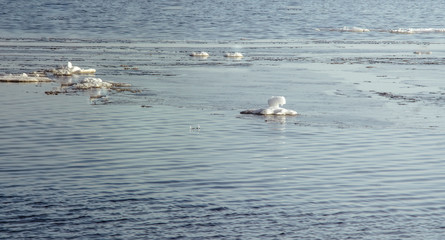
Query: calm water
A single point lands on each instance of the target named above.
(362, 160)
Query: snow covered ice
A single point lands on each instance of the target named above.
(274, 108)
(199, 54)
(70, 70)
(233, 55)
(24, 78)
(90, 82)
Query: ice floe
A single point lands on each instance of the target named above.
(417, 30)
(394, 30)
(234, 55)
(98, 89)
(199, 54)
(70, 70)
(422, 52)
(274, 108)
(353, 29)
(91, 82)
(24, 78)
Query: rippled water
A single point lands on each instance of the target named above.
(212, 20)
(362, 160)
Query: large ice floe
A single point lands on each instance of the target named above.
(24, 78)
(70, 70)
(274, 108)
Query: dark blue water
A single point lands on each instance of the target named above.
(362, 160)
(211, 20)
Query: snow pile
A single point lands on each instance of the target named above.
(70, 70)
(274, 108)
(24, 78)
(90, 82)
(234, 55)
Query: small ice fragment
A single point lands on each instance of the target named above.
(195, 128)
(199, 54)
(422, 52)
(274, 108)
(417, 30)
(401, 30)
(353, 29)
(234, 55)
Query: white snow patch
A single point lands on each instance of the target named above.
(24, 78)
(70, 70)
(274, 108)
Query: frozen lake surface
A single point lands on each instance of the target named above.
(363, 158)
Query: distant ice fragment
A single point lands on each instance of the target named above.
(70, 70)
(195, 128)
(274, 108)
(24, 78)
(353, 29)
(422, 52)
(402, 30)
(199, 54)
(234, 55)
(417, 30)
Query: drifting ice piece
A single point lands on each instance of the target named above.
(89, 82)
(234, 55)
(24, 78)
(199, 54)
(274, 108)
(69, 70)
(353, 29)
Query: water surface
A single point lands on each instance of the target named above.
(362, 160)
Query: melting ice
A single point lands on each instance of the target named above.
(70, 70)
(90, 82)
(233, 55)
(23, 78)
(199, 54)
(274, 108)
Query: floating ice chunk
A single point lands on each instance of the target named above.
(24, 78)
(402, 31)
(195, 128)
(199, 54)
(234, 55)
(422, 52)
(90, 82)
(396, 30)
(353, 29)
(274, 108)
(69, 70)
(417, 30)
